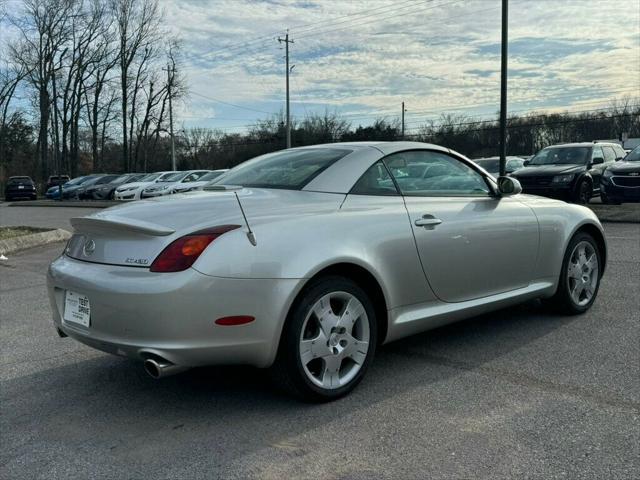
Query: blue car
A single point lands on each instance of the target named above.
(68, 188)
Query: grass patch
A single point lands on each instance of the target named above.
(12, 232)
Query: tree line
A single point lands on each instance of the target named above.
(92, 73)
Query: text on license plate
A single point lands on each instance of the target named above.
(76, 308)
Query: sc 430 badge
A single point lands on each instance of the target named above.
(137, 261)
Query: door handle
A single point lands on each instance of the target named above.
(428, 221)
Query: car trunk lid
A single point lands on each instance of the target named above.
(134, 234)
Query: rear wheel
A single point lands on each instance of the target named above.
(328, 341)
(580, 276)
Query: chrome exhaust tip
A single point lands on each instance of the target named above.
(161, 368)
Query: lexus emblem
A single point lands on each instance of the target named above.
(89, 247)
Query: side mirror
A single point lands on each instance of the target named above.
(597, 161)
(526, 162)
(509, 186)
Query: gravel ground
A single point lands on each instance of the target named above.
(519, 393)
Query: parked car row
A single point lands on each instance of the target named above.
(576, 172)
(131, 186)
(165, 183)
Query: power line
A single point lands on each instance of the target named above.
(228, 103)
(303, 27)
(234, 51)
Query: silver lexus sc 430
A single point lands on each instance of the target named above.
(305, 260)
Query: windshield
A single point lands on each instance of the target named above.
(122, 178)
(490, 165)
(75, 181)
(173, 177)
(19, 179)
(633, 155)
(106, 179)
(211, 176)
(80, 180)
(562, 156)
(287, 169)
(149, 178)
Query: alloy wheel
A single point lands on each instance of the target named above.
(582, 273)
(334, 340)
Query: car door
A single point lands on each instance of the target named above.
(598, 164)
(471, 243)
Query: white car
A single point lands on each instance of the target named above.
(166, 185)
(132, 191)
(200, 183)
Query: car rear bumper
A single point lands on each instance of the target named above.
(140, 314)
(20, 193)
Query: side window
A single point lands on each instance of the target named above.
(192, 177)
(375, 181)
(514, 164)
(609, 154)
(597, 153)
(428, 173)
(620, 153)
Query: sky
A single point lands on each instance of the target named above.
(363, 58)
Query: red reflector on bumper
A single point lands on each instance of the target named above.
(235, 320)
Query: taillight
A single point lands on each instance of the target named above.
(184, 251)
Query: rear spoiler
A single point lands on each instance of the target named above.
(115, 222)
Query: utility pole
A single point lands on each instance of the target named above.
(286, 48)
(403, 110)
(170, 74)
(503, 88)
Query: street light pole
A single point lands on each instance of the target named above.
(503, 88)
(171, 71)
(403, 110)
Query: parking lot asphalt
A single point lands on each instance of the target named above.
(41, 216)
(520, 393)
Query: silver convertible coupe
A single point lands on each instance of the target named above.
(305, 260)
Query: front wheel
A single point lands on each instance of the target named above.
(583, 193)
(328, 341)
(580, 276)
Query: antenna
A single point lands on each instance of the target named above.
(250, 235)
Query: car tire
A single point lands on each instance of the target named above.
(328, 340)
(583, 192)
(579, 275)
(607, 200)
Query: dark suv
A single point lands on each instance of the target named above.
(55, 180)
(20, 187)
(570, 172)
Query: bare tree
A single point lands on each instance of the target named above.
(10, 77)
(99, 93)
(44, 31)
(137, 25)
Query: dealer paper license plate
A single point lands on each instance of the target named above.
(76, 308)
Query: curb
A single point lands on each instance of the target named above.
(23, 242)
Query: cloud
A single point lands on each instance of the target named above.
(364, 57)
